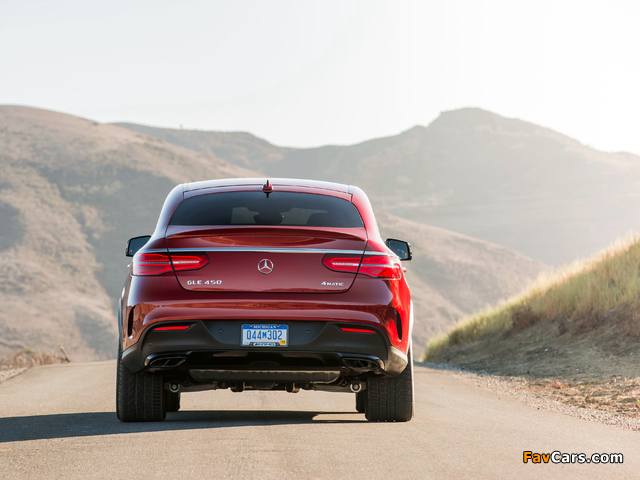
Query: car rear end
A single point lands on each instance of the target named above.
(263, 286)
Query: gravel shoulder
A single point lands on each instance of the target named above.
(7, 374)
(23, 359)
(613, 400)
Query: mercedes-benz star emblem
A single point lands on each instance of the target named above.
(265, 266)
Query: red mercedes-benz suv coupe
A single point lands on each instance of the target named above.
(254, 284)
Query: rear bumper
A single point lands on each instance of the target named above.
(150, 301)
(318, 351)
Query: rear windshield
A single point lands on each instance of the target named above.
(279, 208)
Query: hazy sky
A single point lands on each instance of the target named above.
(306, 73)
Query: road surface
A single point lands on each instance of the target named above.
(58, 421)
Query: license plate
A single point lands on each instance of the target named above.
(265, 335)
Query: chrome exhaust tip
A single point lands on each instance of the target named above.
(165, 362)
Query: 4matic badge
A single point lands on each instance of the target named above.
(333, 284)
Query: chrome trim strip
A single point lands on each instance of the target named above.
(264, 250)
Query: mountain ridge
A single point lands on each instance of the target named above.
(471, 171)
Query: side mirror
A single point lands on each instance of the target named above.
(401, 248)
(136, 243)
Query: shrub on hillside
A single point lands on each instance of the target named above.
(27, 358)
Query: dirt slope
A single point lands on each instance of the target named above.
(72, 192)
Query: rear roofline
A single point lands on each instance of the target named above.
(353, 194)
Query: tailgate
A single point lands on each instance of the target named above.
(258, 259)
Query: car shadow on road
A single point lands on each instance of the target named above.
(64, 425)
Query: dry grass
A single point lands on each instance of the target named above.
(588, 294)
(27, 358)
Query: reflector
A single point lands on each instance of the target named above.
(357, 330)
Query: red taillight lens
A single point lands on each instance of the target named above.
(157, 263)
(379, 266)
(151, 264)
(176, 327)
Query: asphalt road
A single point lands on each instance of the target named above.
(59, 421)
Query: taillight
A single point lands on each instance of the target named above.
(157, 263)
(379, 266)
(151, 263)
(342, 264)
(189, 262)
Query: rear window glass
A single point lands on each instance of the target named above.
(279, 208)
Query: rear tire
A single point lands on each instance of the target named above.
(360, 399)
(172, 401)
(139, 397)
(390, 399)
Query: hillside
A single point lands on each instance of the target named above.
(582, 320)
(500, 179)
(73, 191)
(571, 337)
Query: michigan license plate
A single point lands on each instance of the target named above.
(265, 335)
